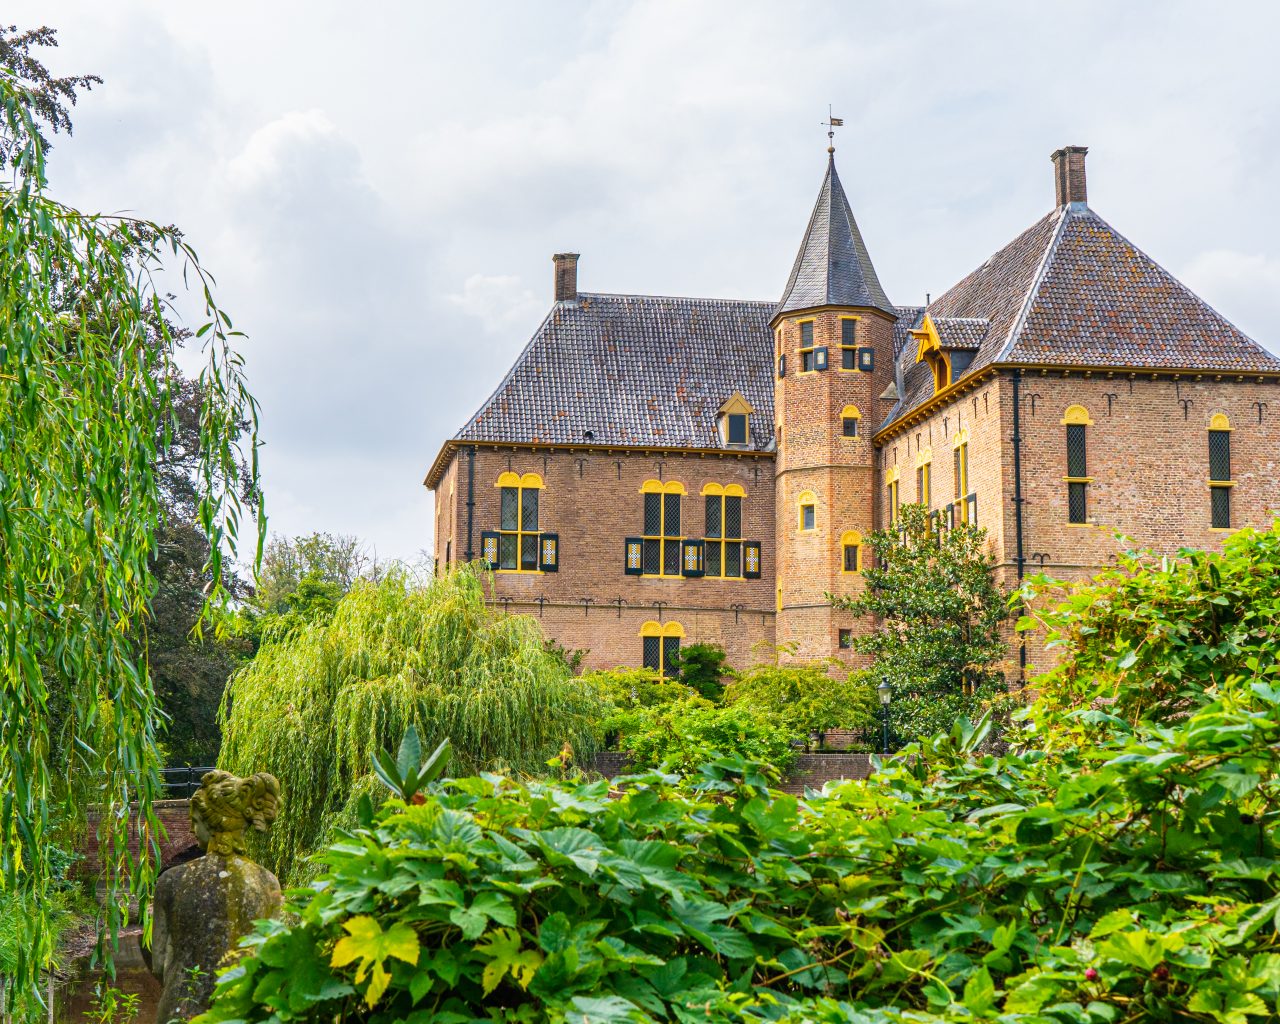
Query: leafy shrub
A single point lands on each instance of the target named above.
(1135, 880)
(1154, 637)
(702, 668)
(690, 733)
(635, 687)
(806, 698)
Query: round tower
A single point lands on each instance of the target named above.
(833, 349)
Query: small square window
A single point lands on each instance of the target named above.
(846, 639)
(848, 359)
(850, 426)
(808, 517)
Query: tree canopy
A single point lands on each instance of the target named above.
(87, 407)
(317, 703)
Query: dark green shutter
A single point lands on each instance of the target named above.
(632, 560)
(691, 558)
(489, 549)
(820, 358)
(549, 556)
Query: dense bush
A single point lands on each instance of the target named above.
(702, 668)
(1153, 637)
(1132, 880)
(805, 698)
(689, 733)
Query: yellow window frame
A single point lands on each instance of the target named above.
(843, 348)
(807, 350)
(723, 541)
(809, 500)
(662, 632)
(663, 538)
(520, 484)
(850, 539)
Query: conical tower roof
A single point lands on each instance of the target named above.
(833, 267)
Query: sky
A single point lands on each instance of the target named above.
(379, 189)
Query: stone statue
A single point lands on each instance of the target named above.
(204, 907)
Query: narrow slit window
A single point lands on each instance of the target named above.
(1077, 423)
(1220, 482)
(806, 346)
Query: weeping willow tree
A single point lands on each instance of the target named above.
(85, 413)
(316, 704)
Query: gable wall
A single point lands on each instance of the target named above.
(592, 500)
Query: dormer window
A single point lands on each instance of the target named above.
(734, 422)
(929, 350)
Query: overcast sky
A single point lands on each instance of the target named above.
(379, 188)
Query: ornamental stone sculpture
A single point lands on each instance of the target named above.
(204, 907)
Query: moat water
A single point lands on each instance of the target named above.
(78, 1001)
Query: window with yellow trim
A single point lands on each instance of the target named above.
(661, 645)
(851, 551)
(518, 536)
(806, 346)
(891, 494)
(1077, 421)
(850, 418)
(965, 508)
(660, 550)
(922, 483)
(849, 343)
(808, 504)
(722, 544)
(1220, 482)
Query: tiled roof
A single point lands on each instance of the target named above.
(962, 332)
(1073, 291)
(833, 267)
(635, 370)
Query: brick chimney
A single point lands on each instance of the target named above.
(1068, 175)
(566, 276)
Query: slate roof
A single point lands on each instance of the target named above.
(637, 370)
(833, 267)
(1073, 291)
(962, 332)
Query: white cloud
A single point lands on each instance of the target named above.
(1243, 287)
(500, 303)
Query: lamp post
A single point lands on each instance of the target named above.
(885, 692)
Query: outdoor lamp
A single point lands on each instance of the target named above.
(885, 692)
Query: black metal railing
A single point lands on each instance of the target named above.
(181, 783)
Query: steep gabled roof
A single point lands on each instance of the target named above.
(1073, 291)
(833, 267)
(635, 370)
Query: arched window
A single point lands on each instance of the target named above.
(808, 511)
(849, 420)
(851, 551)
(660, 544)
(661, 645)
(1220, 482)
(1076, 420)
(723, 539)
(891, 494)
(924, 472)
(518, 545)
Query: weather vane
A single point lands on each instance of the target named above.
(832, 124)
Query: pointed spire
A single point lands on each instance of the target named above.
(833, 267)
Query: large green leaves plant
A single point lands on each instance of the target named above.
(85, 409)
(1132, 881)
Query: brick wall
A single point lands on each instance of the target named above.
(593, 501)
(177, 843)
(816, 457)
(811, 771)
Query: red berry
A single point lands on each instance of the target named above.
(1091, 973)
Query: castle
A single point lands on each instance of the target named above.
(656, 471)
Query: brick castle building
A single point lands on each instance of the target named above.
(656, 471)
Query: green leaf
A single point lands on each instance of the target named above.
(410, 754)
(980, 993)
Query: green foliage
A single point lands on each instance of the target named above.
(86, 413)
(702, 668)
(1154, 637)
(406, 773)
(315, 705)
(1132, 880)
(939, 613)
(806, 698)
(687, 734)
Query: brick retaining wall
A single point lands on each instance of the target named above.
(811, 771)
(176, 844)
